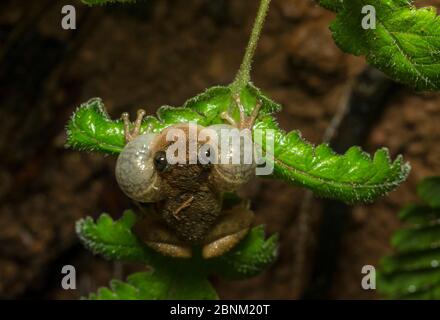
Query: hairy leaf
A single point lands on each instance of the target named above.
(419, 214)
(91, 129)
(413, 272)
(417, 238)
(417, 260)
(405, 284)
(333, 5)
(351, 177)
(170, 278)
(162, 283)
(405, 43)
(429, 191)
(114, 240)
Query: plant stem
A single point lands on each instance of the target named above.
(244, 73)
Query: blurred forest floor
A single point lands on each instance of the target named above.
(164, 52)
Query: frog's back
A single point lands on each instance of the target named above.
(192, 222)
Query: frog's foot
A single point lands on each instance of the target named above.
(134, 133)
(160, 238)
(246, 122)
(233, 226)
(171, 250)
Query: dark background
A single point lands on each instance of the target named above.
(164, 52)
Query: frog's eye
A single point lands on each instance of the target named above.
(160, 160)
(136, 170)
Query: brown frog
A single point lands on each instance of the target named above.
(186, 199)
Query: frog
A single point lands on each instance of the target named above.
(182, 203)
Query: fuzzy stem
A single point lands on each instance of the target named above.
(244, 73)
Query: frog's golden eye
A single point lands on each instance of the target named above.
(136, 170)
(160, 160)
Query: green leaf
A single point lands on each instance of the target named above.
(429, 191)
(405, 43)
(164, 283)
(91, 129)
(417, 238)
(113, 240)
(431, 293)
(419, 214)
(333, 5)
(413, 272)
(171, 278)
(350, 177)
(419, 260)
(399, 285)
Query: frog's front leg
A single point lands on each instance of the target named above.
(130, 135)
(246, 122)
(232, 226)
(159, 237)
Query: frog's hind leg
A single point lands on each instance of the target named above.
(232, 226)
(159, 237)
